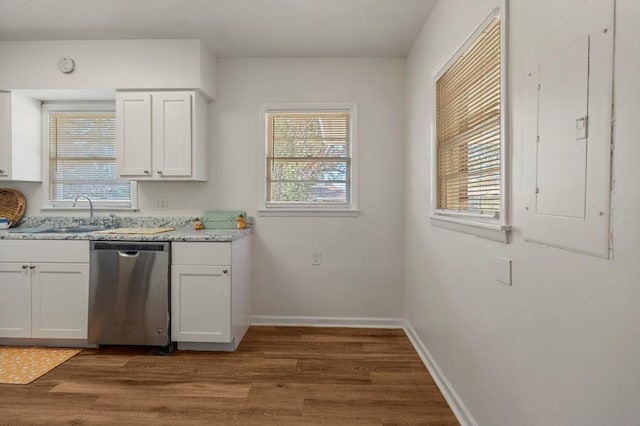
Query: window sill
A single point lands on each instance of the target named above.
(490, 230)
(308, 212)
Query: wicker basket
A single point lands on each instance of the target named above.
(12, 205)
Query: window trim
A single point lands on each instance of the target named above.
(484, 225)
(314, 210)
(48, 205)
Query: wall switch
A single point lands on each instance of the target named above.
(503, 270)
(316, 257)
(161, 203)
(582, 128)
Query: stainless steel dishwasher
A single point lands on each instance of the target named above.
(129, 293)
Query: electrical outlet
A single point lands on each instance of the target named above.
(316, 257)
(161, 203)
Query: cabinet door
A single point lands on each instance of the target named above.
(15, 300)
(133, 135)
(5, 134)
(200, 304)
(60, 300)
(172, 131)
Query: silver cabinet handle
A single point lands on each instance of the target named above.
(224, 271)
(1, 171)
(159, 172)
(146, 172)
(32, 267)
(25, 266)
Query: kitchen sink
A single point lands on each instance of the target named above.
(76, 229)
(58, 230)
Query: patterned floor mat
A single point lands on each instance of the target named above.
(22, 365)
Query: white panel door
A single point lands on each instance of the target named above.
(15, 300)
(200, 304)
(568, 133)
(172, 134)
(133, 135)
(60, 300)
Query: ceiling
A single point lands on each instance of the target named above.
(231, 28)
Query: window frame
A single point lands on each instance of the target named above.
(484, 225)
(265, 209)
(76, 106)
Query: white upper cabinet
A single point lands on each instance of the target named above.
(133, 134)
(172, 115)
(162, 135)
(20, 138)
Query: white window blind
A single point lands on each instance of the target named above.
(82, 159)
(308, 158)
(468, 127)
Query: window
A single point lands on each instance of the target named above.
(308, 159)
(82, 157)
(469, 131)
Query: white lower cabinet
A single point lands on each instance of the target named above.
(60, 300)
(47, 296)
(210, 294)
(15, 300)
(201, 304)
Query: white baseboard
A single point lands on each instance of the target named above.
(457, 406)
(328, 321)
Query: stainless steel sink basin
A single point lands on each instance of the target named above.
(59, 230)
(77, 229)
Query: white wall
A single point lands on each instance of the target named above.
(108, 64)
(362, 258)
(561, 346)
(362, 268)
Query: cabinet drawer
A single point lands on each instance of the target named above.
(201, 253)
(44, 251)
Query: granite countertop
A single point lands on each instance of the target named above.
(184, 231)
(181, 234)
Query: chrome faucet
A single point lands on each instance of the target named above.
(75, 201)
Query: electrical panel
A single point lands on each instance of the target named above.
(568, 133)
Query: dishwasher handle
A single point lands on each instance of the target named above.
(128, 253)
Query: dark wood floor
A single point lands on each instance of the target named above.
(278, 376)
